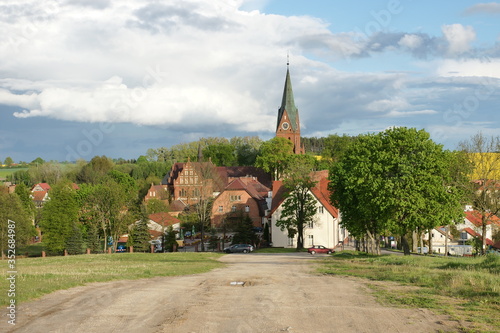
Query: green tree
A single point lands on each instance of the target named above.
(106, 206)
(156, 206)
(221, 154)
(169, 239)
(24, 195)
(74, 242)
(274, 156)
(244, 233)
(394, 181)
(8, 161)
(299, 206)
(95, 170)
(11, 208)
(140, 235)
(59, 215)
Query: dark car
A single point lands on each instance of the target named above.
(239, 248)
(319, 249)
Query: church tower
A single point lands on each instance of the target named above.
(288, 125)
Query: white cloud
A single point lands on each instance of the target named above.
(469, 68)
(491, 8)
(459, 38)
(411, 41)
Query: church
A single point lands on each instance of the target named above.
(249, 191)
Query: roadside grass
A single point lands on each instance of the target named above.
(40, 276)
(466, 289)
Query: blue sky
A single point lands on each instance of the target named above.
(80, 78)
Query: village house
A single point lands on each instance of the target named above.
(325, 230)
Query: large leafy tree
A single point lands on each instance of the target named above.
(59, 216)
(11, 208)
(484, 187)
(221, 154)
(398, 180)
(299, 206)
(274, 156)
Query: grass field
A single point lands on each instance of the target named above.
(4, 172)
(467, 289)
(39, 276)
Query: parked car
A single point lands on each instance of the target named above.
(319, 249)
(239, 248)
(121, 248)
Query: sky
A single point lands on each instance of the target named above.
(80, 78)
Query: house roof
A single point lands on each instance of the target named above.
(252, 186)
(475, 217)
(177, 206)
(39, 195)
(478, 235)
(44, 186)
(164, 219)
(320, 191)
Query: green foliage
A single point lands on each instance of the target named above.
(74, 242)
(11, 208)
(21, 177)
(8, 161)
(24, 195)
(299, 206)
(213, 240)
(140, 235)
(221, 154)
(244, 231)
(393, 181)
(95, 170)
(274, 156)
(169, 239)
(59, 215)
(156, 206)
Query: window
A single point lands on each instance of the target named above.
(235, 198)
(182, 193)
(310, 224)
(221, 209)
(233, 209)
(290, 242)
(247, 209)
(321, 209)
(310, 238)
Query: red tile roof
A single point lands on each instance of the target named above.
(164, 219)
(475, 218)
(320, 191)
(44, 186)
(39, 195)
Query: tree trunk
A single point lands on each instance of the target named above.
(483, 248)
(430, 241)
(414, 242)
(406, 246)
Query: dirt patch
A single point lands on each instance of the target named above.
(279, 294)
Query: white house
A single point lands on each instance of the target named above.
(472, 226)
(326, 228)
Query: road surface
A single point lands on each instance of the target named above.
(253, 293)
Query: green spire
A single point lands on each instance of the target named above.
(288, 103)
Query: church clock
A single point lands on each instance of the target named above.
(285, 126)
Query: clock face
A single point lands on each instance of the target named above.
(285, 125)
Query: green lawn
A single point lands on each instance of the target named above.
(467, 289)
(4, 172)
(39, 276)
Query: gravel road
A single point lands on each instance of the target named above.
(281, 293)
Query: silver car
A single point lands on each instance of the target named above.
(239, 248)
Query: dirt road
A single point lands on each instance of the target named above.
(280, 293)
